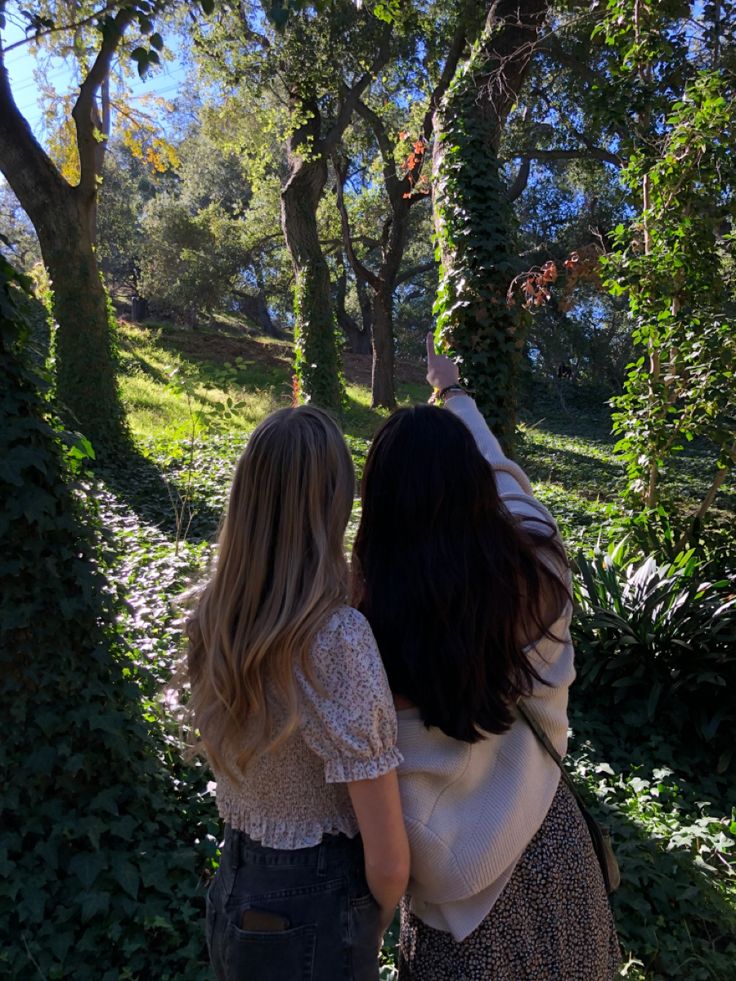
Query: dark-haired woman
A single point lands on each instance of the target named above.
(464, 581)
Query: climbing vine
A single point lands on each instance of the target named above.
(672, 265)
(317, 338)
(472, 217)
(101, 857)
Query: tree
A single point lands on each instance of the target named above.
(472, 210)
(317, 66)
(672, 261)
(403, 187)
(64, 214)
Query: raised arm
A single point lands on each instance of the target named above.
(443, 376)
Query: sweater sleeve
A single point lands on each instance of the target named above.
(510, 478)
(513, 484)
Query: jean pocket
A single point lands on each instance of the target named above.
(364, 928)
(282, 955)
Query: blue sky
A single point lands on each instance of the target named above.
(21, 63)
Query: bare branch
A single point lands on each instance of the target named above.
(361, 271)
(521, 180)
(413, 271)
(57, 29)
(579, 153)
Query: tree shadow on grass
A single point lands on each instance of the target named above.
(568, 467)
(158, 499)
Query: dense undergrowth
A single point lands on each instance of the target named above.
(659, 788)
(103, 856)
(671, 811)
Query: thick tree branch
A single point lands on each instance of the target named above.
(469, 27)
(413, 271)
(521, 180)
(350, 97)
(361, 271)
(26, 165)
(395, 186)
(84, 110)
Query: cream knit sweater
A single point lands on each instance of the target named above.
(471, 810)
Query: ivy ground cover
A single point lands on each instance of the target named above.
(672, 815)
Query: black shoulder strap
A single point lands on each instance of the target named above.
(545, 741)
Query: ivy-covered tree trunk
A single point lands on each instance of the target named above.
(317, 361)
(63, 216)
(86, 382)
(472, 213)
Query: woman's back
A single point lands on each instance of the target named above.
(504, 882)
(293, 795)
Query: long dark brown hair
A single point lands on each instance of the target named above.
(452, 584)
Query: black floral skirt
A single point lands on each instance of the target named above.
(552, 922)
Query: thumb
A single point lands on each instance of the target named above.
(431, 353)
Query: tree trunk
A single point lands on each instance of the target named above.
(382, 379)
(358, 338)
(255, 308)
(316, 348)
(472, 214)
(317, 362)
(63, 217)
(86, 383)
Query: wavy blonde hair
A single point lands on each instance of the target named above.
(280, 572)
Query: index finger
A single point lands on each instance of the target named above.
(431, 353)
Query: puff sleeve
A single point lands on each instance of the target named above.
(348, 715)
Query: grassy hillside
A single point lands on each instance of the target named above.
(193, 397)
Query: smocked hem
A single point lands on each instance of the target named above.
(344, 770)
(285, 834)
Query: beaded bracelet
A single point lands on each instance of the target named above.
(450, 388)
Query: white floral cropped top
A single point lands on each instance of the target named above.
(292, 796)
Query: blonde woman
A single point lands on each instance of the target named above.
(296, 718)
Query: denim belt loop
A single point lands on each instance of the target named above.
(230, 861)
(322, 858)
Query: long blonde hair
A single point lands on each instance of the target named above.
(280, 572)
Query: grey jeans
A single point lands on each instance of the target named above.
(292, 915)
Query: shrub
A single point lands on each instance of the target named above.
(658, 642)
(100, 863)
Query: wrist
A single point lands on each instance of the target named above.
(449, 391)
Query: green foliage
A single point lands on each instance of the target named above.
(656, 644)
(670, 264)
(674, 831)
(101, 858)
(189, 262)
(316, 340)
(675, 909)
(473, 222)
